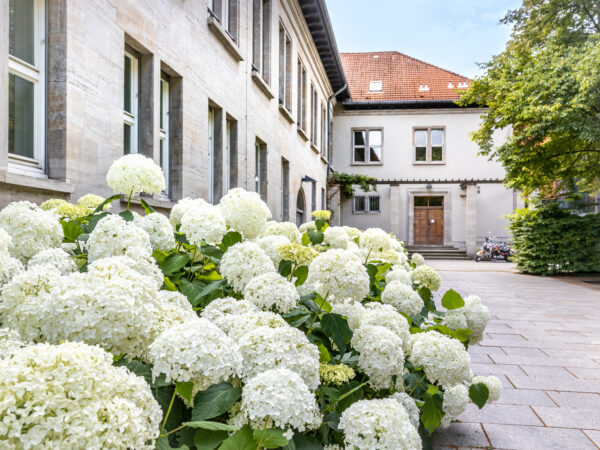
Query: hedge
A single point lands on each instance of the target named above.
(549, 240)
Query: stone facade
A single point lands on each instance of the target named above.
(207, 67)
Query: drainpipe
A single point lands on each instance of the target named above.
(329, 143)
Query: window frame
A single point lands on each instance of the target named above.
(323, 131)
(211, 153)
(428, 149)
(367, 200)
(261, 38)
(302, 87)
(285, 68)
(314, 115)
(35, 74)
(164, 130)
(374, 82)
(367, 161)
(131, 118)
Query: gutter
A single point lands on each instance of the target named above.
(329, 131)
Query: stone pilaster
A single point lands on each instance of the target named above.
(335, 205)
(471, 220)
(395, 209)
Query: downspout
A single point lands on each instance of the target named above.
(329, 143)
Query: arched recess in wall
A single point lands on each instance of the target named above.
(300, 207)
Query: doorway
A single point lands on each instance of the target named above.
(429, 221)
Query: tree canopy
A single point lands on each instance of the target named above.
(545, 86)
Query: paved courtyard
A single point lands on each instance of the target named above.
(543, 342)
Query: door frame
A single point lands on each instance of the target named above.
(420, 192)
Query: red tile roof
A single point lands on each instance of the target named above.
(403, 78)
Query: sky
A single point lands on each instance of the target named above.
(452, 34)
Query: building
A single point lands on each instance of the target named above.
(402, 127)
(220, 93)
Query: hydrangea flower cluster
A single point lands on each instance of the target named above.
(286, 229)
(203, 224)
(336, 237)
(271, 244)
(184, 205)
(113, 236)
(238, 325)
(10, 341)
(324, 214)
(425, 276)
(244, 261)
(410, 406)
(417, 259)
(398, 274)
(159, 230)
(456, 399)
(296, 253)
(492, 383)
(132, 174)
(386, 316)
(56, 258)
(245, 212)
(402, 297)
(336, 373)
(272, 291)
(375, 240)
(10, 266)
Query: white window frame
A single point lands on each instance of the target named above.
(302, 113)
(132, 118)
(375, 86)
(227, 156)
(367, 199)
(165, 158)
(428, 148)
(367, 146)
(35, 74)
(285, 68)
(211, 154)
(314, 115)
(257, 167)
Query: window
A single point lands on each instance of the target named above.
(375, 86)
(429, 145)
(226, 11)
(323, 132)
(230, 153)
(261, 45)
(323, 204)
(367, 145)
(131, 99)
(300, 206)
(211, 153)
(165, 156)
(313, 196)
(314, 115)
(26, 84)
(260, 165)
(365, 204)
(285, 68)
(301, 96)
(285, 189)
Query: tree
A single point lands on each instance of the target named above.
(545, 87)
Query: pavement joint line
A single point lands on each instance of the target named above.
(587, 436)
(550, 397)
(486, 435)
(567, 369)
(537, 415)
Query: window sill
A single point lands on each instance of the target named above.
(217, 29)
(324, 159)
(262, 84)
(366, 164)
(302, 133)
(159, 202)
(427, 163)
(285, 113)
(41, 183)
(363, 213)
(314, 148)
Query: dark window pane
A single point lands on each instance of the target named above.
(162, 156)
(436, 153)
(421, 138)
(375, 154)
(436, 201)
(359, 204)
(162, 87)
(127, 140)
(20, 116)
(21, 30)
(421, 201)
(359, 154)
(127, 90)
(373, 203)
(420, 154)
(359, 138)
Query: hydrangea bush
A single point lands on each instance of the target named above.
(218, 328)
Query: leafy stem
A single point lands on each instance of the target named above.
(168, 412)
(310, 328)
(262, 435)
(129, 200)
(415, 387)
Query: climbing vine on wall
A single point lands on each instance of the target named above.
(347, 181)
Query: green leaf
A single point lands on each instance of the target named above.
(207, 425)
(173, 263)
(94, 221)
(336, 328)
(431, 412)
(322, 303)
(306, 442)
(214, 401)
(108, 201)
(285, 268)
(479, 393)
(163, 444)
(301, 273)
(462, 334)
(71, 230)
(209, 439)
(142, 370)
(169, 284)
(240, 440)
(316, 237)
(452, 300)
(191, 289)
(305, 239)
(210, 290)
(185, 389)
(231, 238)
(126, 215)
(213, 252)
(270, 438)
(147, 208)
(324, 356)
(321, 224)
(427, 297)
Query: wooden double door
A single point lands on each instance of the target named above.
(429, 220)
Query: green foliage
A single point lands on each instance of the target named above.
(545, 87)
(479, 393)
(432, 414)
(347, 182)
(452, 300)
(336, 327)
(549, 240)
(215, 401)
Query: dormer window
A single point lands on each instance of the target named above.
(450, 85)
(375, 86)
(423, 87)
(462, 85)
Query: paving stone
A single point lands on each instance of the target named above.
(585, 374)
(520, 351)
(575, 399)
(556, 384)
(497, 413)
(478, 349)
(544, 361)
(461, 434)
(569, 417)
(525, 397)
(497, 369)
(481, 358)
(594, 435)
(546, 371)
(535, 438)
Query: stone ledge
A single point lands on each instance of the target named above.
(161, 203)
(302, 133)
(217, 29)
(286, 113)
(38, 183)
(262, 84)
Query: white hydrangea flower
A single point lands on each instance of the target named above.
(5, 241)
(389, 256)
(244, 261)
(177, 299)
(195, 351)
(336, 237)
(54, 257)
(375, 240)
(284, 347)
(311, 225)
(403, 298)
(338, 275)
(203, 224)
(91, 202)
(113, 236)
(455, 319)
(353, 312)
(217, 310)
(386, 316)
(23, 300)
(444, 359)
(245, 212)
(456, 399)
(283, 397)
(380, 354)
(492, 383)
(332, 447)
(75, 398)
(381, 424)
(398, 274)
(237, 325)
(286, 229)
(132, 174)
(9, 268)
(425, 276)
(158, 228)
(417, 259)
(270, 245)
(353, 233)
(410, 406)
(183, 206)
(31, 229)
(477, 315)
(272, 291)
(10, 341)
(114, 265)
